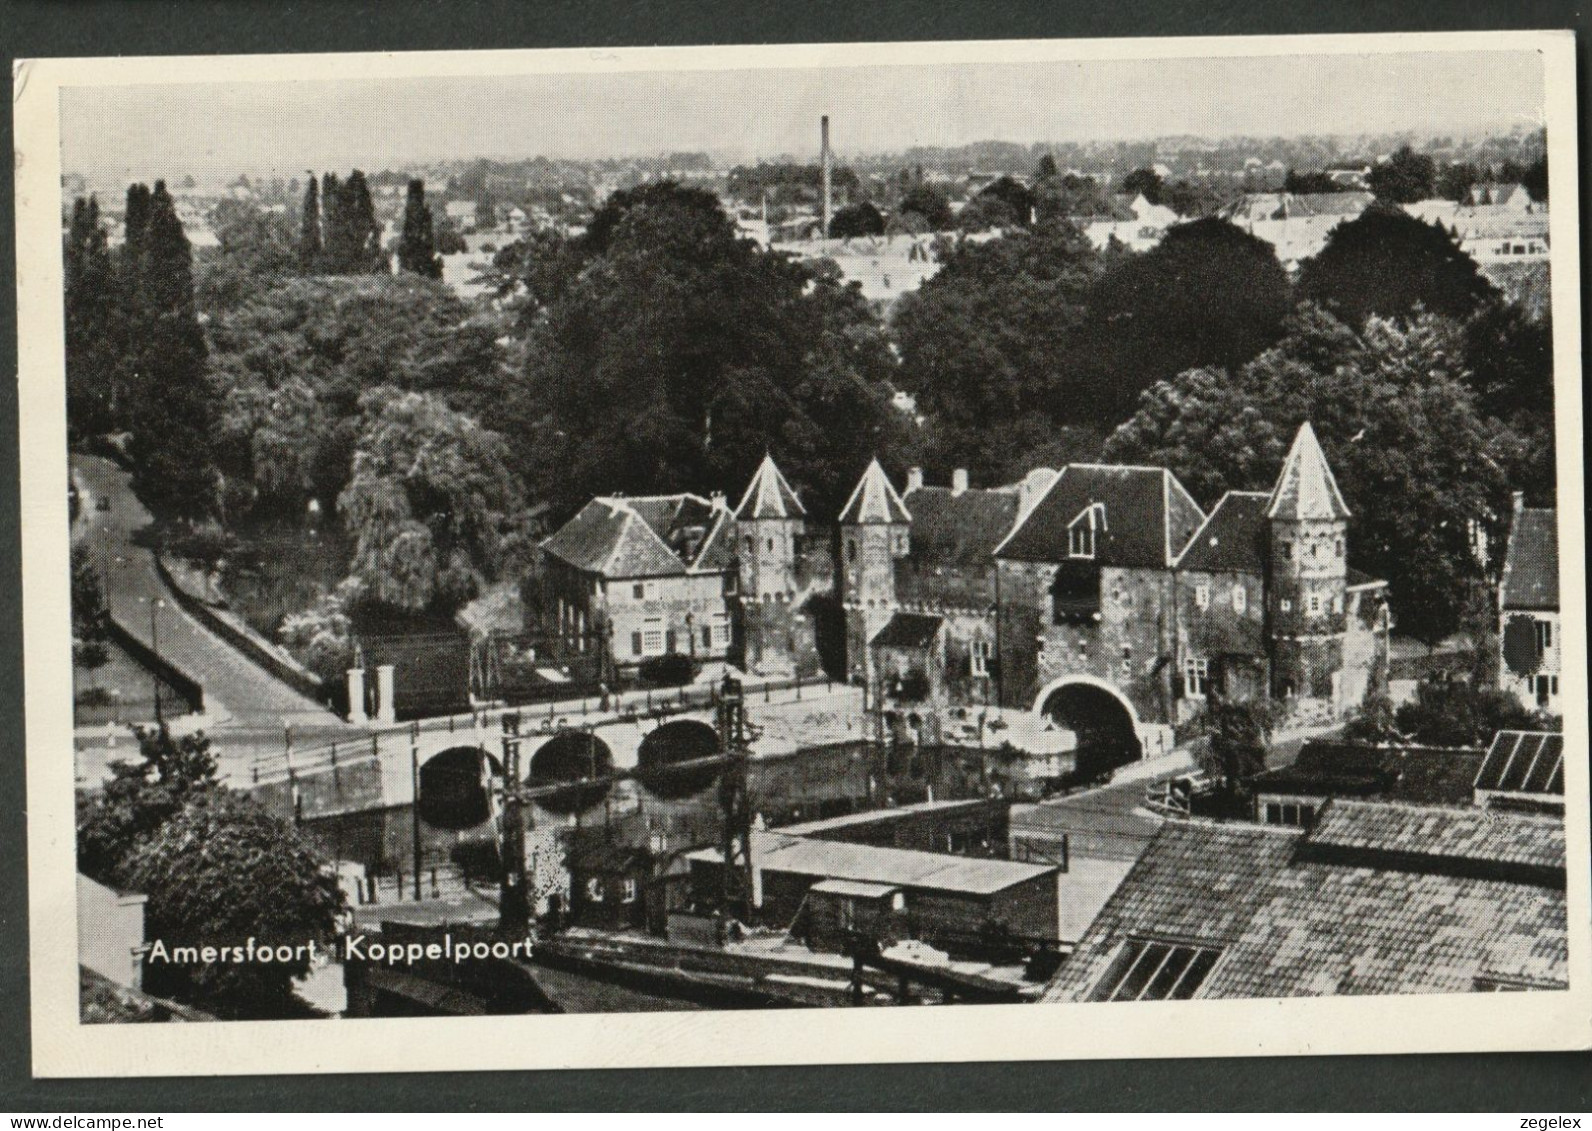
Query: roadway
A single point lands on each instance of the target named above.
(246, 707)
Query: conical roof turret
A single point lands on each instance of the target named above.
(768, 496)
(874, 500)
(1306, 488)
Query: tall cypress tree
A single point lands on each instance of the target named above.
(172, 405)
(417, 248)
(92, 316)
(333, 237)
(357, 216)
(309, 249)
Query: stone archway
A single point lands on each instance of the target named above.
(454, 787)
(1104, 720)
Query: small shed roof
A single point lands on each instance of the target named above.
(855, 889)
(908, 630)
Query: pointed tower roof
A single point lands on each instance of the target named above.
(874, 500)
(1306, 488)
(768, 495)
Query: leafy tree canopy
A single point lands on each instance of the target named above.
(1458, 713)
(1387, 262)
(929, 205)
(856, 220)
(1404, 178)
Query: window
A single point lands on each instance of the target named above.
(721, 629)
(851, 549)
(1338, 548)
(635, 643)
(1240, 598)
(594, 889)
(1337, 602)
(1287, 605)
(1287, 550)
(1196, 677)
(639, 590)
(627, 890)
(771, 545)
(1545, 687)
(729, 585)
(750, 543)
(1315, 604)
(1291, 814)
(652, 637)
(980, 657)
(707, 636)
(1148, 970)
(1544, 637)
(1081, 531)
(1202, 595)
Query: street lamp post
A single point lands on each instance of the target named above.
(155, 606)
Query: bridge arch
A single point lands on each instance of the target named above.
(569, 756)
(1105, 721)
(454, 787)
(683, 740)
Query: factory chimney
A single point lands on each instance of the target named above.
(823, 160)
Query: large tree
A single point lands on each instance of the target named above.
(1404, 177)
(114, 822)
(429, 503)
(255, 250)
(93, 324)
(1209, 294)
(929, 205)
(1389, 263)
(1420, 468)
(417, 246)
(171, 401)
(985, 344)
(309, 247)
(353, 234)
(861, 219)
(672, 353)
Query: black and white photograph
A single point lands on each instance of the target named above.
(701, 556)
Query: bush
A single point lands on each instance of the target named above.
(673, 670)
(1456, 713)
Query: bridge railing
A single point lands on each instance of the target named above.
(484, 723)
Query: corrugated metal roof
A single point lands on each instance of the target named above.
(1531, 567)
(837, 860)
(1523, 761)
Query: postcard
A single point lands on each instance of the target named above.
(653, 557)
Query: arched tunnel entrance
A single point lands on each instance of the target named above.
(454, 787)
(570, 756)
(1103, 722)
(681, 741)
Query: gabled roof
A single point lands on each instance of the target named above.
(874, 500)
(1306, 488)
(1531, 566)
(1148, 517)
(960, 529)
(1523, 761)
(1234, 538)
(768, 495)
(1291, 924)
(648, 536)
(907, 630)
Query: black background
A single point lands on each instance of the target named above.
(1538, 1083)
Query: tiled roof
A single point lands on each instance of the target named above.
(839, 860)
(874, 500)
(1233, 538)
(1289, 925)
(907, 630)
(651, 536)
(1478, 836)
(1306, 488)
(1531, 567)
(1523, 761)
(768, 495)
(717, 553)
(1148, 516)
(959, 529)
(1419, 774)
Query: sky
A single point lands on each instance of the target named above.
(214, 129)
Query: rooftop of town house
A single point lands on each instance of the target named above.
(1531, 565)
(1243, 910)
(959, 529)
(1141, 517)
(1234, 538)
(644, 536)
(779, 851)
(1429, 775)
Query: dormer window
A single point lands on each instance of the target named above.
(1081, 531)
